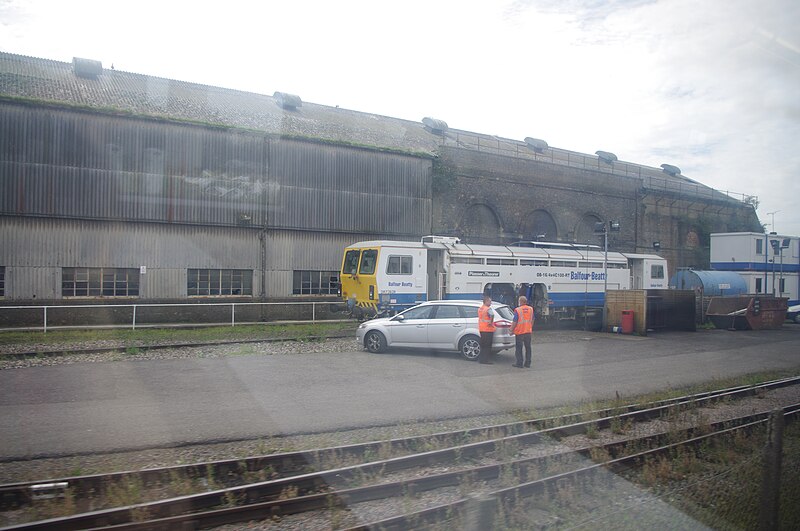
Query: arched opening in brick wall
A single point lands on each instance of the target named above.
(539, 225)
(584, 230)
(480, 224)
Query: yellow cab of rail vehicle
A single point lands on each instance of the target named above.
(357, 279)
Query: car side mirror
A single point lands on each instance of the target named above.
(400, 318)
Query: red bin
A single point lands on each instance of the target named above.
(627, 321)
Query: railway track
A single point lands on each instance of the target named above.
(324, 479)
(162, 346)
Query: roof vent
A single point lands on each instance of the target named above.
(536, 144)
(606, 156)
(88, 68)
(437, 127)
(290, 102)
(669, 169)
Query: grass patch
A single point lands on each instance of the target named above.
(148, 336)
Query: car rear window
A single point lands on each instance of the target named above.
(504, 312)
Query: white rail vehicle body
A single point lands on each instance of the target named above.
(560, 280)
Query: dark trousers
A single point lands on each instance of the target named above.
(523, 339)
(486, 347)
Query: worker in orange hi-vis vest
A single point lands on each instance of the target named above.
(486, 328)
(522, 328)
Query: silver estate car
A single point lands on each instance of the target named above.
(437, 325)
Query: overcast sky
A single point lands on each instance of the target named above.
(710, 86)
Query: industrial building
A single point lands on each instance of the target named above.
(768, 263)
(122, 186)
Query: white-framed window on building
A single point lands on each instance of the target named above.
(656, 271)
(99, 282)
(758, 285)
(219, 282)
(759, 246)
(400, 265)
(782, 286)
(315, 282)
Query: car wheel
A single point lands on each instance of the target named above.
(375, 342)
(470, 347)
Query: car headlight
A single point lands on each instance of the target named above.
(362, 326)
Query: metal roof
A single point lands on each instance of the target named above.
(116, 90)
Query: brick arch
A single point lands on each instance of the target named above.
(480, 223)
(537, 223)
(584, 229)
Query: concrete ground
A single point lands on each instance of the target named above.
(107, 406)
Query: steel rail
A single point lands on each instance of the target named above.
(444, 512)
(350, 496)
(293, 463)
(313, 482)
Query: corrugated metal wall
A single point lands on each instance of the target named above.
(70, 164)
(35, 249)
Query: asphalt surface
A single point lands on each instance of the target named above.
(107, 406)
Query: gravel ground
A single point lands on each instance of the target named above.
(134, 351)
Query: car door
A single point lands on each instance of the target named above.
(445, 326)
(410, 328)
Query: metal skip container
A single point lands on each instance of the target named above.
(748, 312)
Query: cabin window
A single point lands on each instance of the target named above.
(99, 282)
(351, 262)
(563, 263)
(400, 265)
(759, 246)
(656, 271)
(617, 266)
(465, 260)
(368, 260)
(501, 261)
(534, 263)
(315, 282)
(219, 282)
(591, 265)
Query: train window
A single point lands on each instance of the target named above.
(351, 262)
(399, 265)
(612, 265)
(315, 283)
(218, 282)
(656, 271)
(368, 259)
(563, 263)
(534, 262)
(501, 261)
(465, 260)
(592, 265)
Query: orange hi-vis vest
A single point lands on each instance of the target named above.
(485, 321)
(524, 320)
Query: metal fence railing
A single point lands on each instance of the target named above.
(127, 314)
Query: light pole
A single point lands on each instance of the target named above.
(773, 218)
(601, 227)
